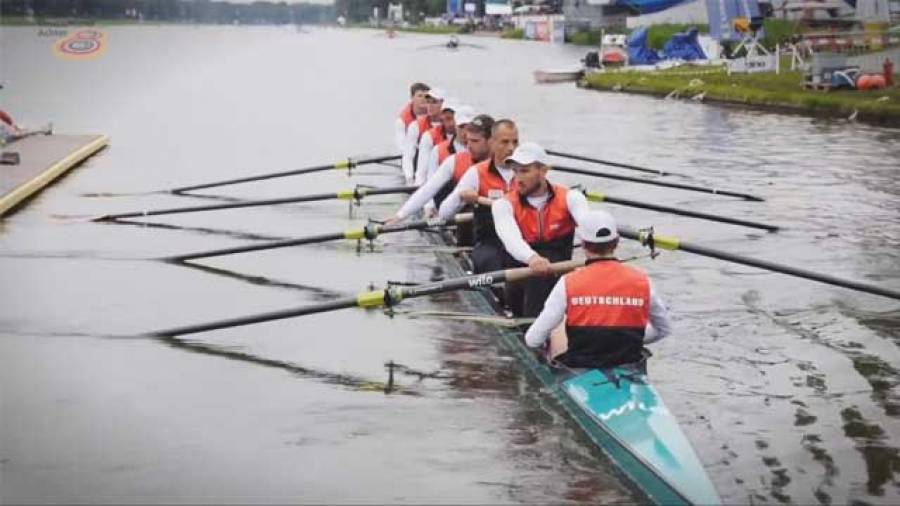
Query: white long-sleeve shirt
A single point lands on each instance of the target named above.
(453, 203)
(555, 311)
(432, 186)
(427, 156)
(508, 230)
(399, 134)
(408, 153)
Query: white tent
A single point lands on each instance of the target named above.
(873, 11)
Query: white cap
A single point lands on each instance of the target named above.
(450, 104)
(528, 153)
(437, 94)
(597, 226)
(463, 114)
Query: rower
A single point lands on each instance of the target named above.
(413, 109)
(455, 161)
(536, 224)
(445, 129)
(610, 309)
(482, 184)
(10, 131)
(418, 128)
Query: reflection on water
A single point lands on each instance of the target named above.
(787, 388)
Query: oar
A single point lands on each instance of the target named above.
(595, 196)
(373, 299)
(613, 164)
(681, 186)
(370, 232)
(354, 194)
(673, 243)
(348, 164)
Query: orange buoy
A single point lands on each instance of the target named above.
(870, 82)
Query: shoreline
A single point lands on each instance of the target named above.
(762, 92)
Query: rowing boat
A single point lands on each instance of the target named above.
(617, 408)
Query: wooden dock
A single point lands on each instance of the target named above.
(43, 158)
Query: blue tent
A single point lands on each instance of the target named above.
(649, 6)
(638, 52)
(684, 46)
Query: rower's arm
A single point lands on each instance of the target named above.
(427, 191)
(399, 134)
(409, 151)
(578, 205)
(453, 203)
(660, 326)
(425, 147)
(551, 316)
(508, 231)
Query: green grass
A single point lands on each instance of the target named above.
(449, 29)
(585, 38)
(782, 91)
(513, 33)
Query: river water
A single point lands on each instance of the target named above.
(787, 388)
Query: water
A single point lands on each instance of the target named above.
(787, 388)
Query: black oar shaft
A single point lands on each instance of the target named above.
(680, 186)
(345, 195)
(600, 197)
(375, 298)
(258, 318)
(610, 163)
(347, 164)
(258, 247)
(672, 243)
(369, 232)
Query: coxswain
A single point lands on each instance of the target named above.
(455, 160)
(413, 109)
(418, 128)
(610, 309)
(536, 224)
(483, 184)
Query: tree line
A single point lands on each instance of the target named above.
(189, 11)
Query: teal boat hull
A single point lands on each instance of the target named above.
(621, 403)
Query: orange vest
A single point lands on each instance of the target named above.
(406, 115)
(552, 224)
(461, 163)
(437, 135)
(607, 311)
(444, 150)
(424, 126)
(491, 185)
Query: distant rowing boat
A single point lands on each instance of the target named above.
(618, 409)
(558, 75)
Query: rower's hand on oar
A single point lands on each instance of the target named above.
(540, 266)
(393, 220)
(469, 196)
